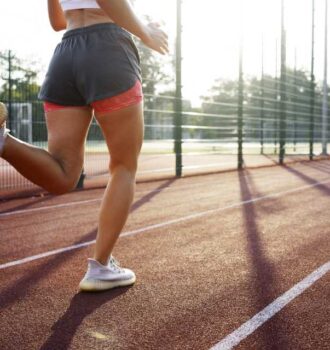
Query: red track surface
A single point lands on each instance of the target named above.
(198, 279)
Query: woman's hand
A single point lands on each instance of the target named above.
(121, 12)
(155, 38)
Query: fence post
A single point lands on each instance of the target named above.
(240, 160)
(312, 97)
(262, 101)
(295, 102)
(276, 100)
(178, 95)
(325, 86)
(10, 89)
(283, 88)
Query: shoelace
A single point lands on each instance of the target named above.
(115, 264)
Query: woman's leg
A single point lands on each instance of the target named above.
(123, 132)
(57, 170)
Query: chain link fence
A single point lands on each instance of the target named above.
(265, 100)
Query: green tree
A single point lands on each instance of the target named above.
(261, 106)
(19, 80)
(220, 109)
(19, 85)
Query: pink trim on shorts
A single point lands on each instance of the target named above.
(128, 98)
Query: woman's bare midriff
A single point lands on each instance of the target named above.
(85, 17)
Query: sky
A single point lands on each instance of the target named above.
(211, 35)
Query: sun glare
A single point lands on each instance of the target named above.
(212, 31)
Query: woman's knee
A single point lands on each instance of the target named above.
(129, 167)
(63, 185)
(67, 178)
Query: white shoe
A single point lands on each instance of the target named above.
(100, 277)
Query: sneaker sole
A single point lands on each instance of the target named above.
(90, 285)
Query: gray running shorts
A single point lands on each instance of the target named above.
(90, 64)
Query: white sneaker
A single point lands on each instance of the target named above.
(100, 277)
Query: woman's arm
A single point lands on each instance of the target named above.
(56, 15)
(121, 12)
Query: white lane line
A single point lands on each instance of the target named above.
(269, 311)
(162, 224)
(44, 255)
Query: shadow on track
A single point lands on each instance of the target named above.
(81, 305)
(263, 275)
(19, 289)
(324, 188)
(145, 199)
(271, 158)
(27, 205)
(325, 168)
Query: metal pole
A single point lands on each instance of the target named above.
(10, 90)
(325, 85)
(276, 100)
(240, 161)
(312, 98)
(295, 101)
(262, 102)
(283, 88)
(178, 95)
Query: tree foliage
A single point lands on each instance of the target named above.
(261, 106)
(19, 80)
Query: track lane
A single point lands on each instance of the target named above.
(305, 323)
(155, 203)
(162, 301)
(197, 280)
(83, 243)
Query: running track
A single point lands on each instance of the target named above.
(238, 258)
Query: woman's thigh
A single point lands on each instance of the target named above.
(123, 131)
(67, 130)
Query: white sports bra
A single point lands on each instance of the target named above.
(78, 4)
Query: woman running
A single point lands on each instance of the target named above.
(94, 71)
